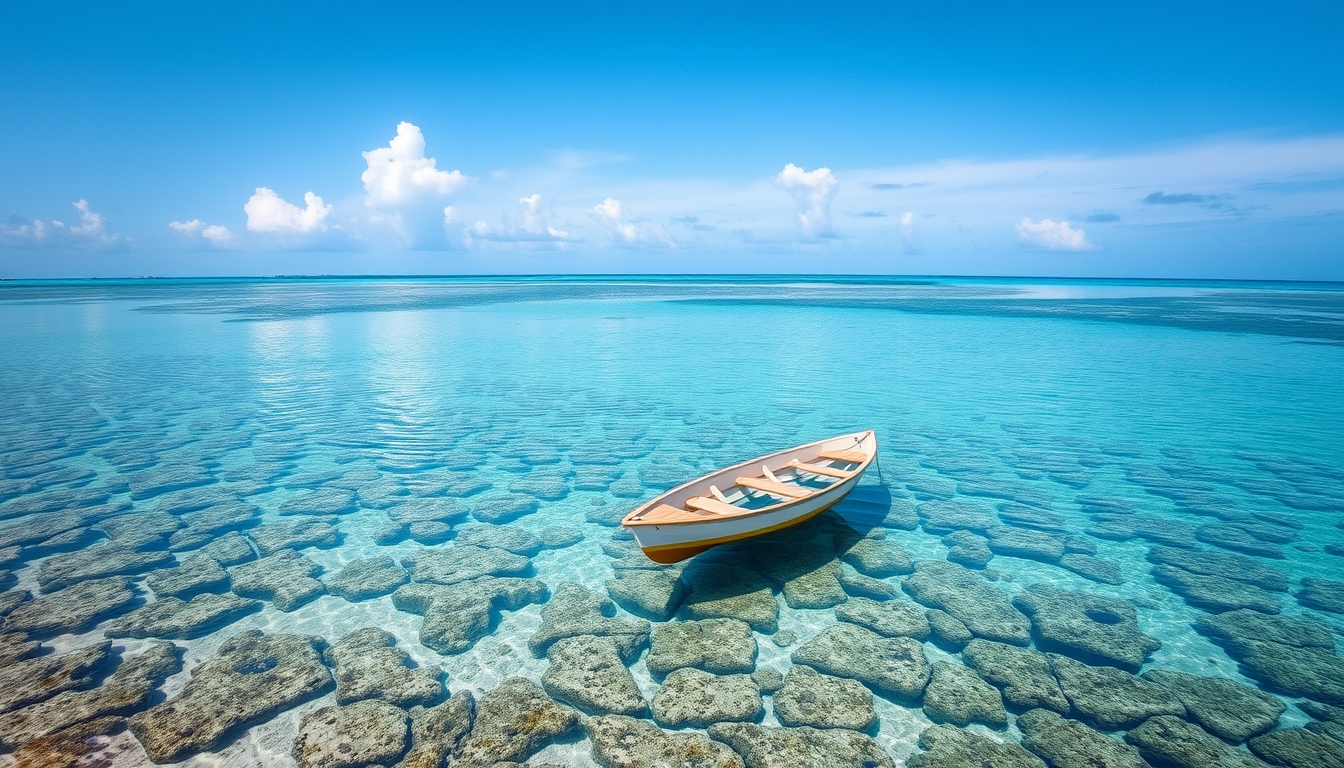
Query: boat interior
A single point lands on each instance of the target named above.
(768, 488)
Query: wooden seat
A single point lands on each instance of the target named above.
(817, 469)
(665, 513)
(713, 506)
(778, 489)
(853, 457)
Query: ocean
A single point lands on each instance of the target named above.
(1180, 443)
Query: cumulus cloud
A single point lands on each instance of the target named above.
(400, 174)
(909, 237)
(215, 234)
(813, 192)
(534, 225)
(1052, 236)
(268, 212)
(90, 233)
(621, 230)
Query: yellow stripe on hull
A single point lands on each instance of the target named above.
(675, 553)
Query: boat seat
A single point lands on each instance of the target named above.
(817, 469)
(778, 489)
(665, 513)
(713, 506)
(853, 457)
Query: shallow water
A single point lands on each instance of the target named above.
(1046, 391)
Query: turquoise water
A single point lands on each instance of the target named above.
(1041, 391)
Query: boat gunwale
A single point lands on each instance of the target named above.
(629, 521)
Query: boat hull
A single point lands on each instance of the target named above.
(674, 543)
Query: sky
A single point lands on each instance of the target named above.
(1182, 140)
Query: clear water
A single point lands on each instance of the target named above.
(258, 381)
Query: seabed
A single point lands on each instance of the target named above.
(376, 522)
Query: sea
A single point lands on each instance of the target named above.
(1212, 413)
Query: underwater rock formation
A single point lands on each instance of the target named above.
(720, 646)
(251, 678)
(364, 733)
(1092, 628)
(513, 722)
(698, 699)
(624, 742)
(807, 697)
(369, 666)
(286, 578)
(985, 611)
(804, 747)
(458, 615)
(895, 665)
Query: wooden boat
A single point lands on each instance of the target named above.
(752, 498)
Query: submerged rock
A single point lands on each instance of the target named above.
(560, 536)
(97, 562)
(1299, 748)
(805, 570)
(691, 697)
(506, 537)
(726, 591)
(1093, 568)
(1167, 740)
(436, 731)
(514, 721)
(294, 533)
(574, 611)
(1215, 593)
(175, 619)
(768, 679)
(1024, 542)
(359, 734)
(720, 646)
(956, 694)
(966, 548)
(878, 558)
(890, 619)
(588, 673)
(763, 747)
(1322, 595)
(810, 698)
(428, 510)
(1222, 564)
(458, 615)
(946, 630)
(942, 517)
(250, 679)
(366, 578)
(1024, 675)
(198, 573)
(1237, 538)
(856, 584)
(624, 742)
(1070, 744)
(285, 578)
(985, 611)
(461, 563)
(503, 507)
(1109, 698)
(651, 593)
(1291, 655)
(1093, 628)
(952, 747)
(73, 609)
(126, 691)
(230, 549)
(27, 682)
(85, 743)
(1226, 708)
(369, 666)
(892, 665)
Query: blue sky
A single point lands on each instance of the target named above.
(1153, 140)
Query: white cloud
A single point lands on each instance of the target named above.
(1053, 236)
(909, 237)
(400, 174)
(90, 233)
(615, 226)
(215, 234)
(534, 225)
(813, 192)
(268, 212)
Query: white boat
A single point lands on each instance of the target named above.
(765, 494)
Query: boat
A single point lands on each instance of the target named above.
(765, 494)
